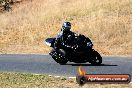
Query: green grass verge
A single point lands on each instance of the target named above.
(26, 80)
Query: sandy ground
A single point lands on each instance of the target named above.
(106, 23)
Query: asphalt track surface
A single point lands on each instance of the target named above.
(44, 64)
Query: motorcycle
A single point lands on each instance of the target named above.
(80, 52)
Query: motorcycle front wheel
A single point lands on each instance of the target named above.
(59, 57)
(96, 58)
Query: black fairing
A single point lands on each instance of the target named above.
(51, 41)
(82, 54)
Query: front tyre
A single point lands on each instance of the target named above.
(96, 58)
(59, 57)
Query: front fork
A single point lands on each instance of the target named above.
(52, 53)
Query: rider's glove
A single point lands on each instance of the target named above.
(89, 44)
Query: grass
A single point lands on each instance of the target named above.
(107, 23)
(27, 80)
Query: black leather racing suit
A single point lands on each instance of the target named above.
(62, 39)
(72, 40)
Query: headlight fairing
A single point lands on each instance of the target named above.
(47, 43)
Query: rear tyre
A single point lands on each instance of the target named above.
(59, 57)
(96, 58)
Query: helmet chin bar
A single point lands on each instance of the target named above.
(66, 29)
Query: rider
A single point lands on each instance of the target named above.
(64, 35)
(67, 37)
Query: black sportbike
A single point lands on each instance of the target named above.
(79, 51)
